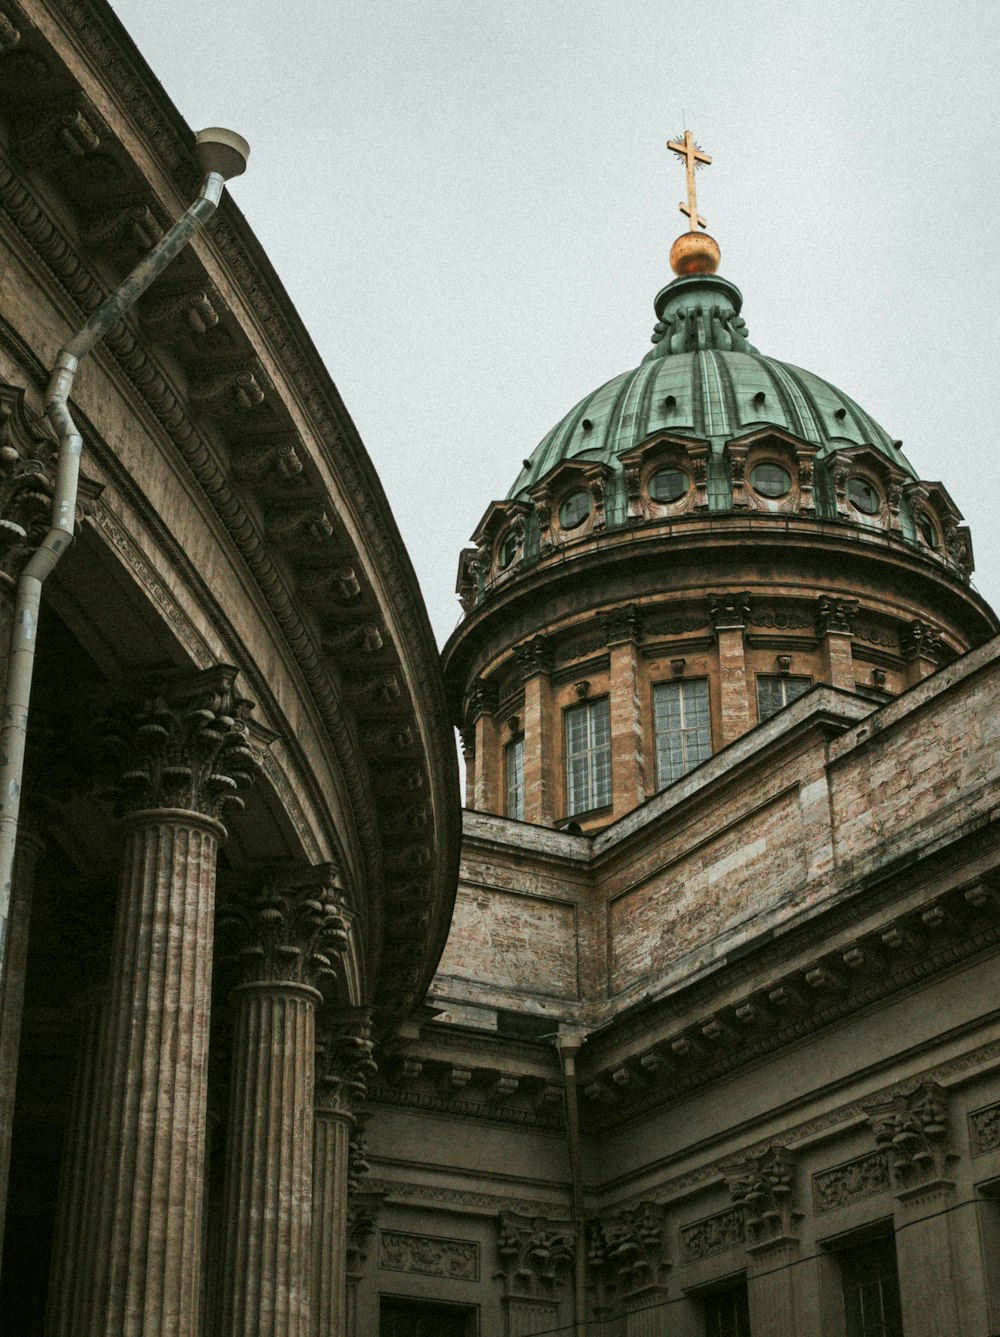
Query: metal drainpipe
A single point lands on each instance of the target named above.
(221, 154)
(568, 1046)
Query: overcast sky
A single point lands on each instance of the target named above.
(471, 205)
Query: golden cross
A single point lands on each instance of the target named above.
(692, 156)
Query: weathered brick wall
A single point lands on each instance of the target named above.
(795, 812)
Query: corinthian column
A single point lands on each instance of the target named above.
(344, 1067)
(287, 938)
(186, 756)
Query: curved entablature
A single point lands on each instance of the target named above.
(96, 161)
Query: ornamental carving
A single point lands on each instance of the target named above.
(912, 1129)
(362, 1218)
(428, 1255)
(781, 620)
(922, 641)
(535, 1254)
(483, 699)
(626, 1251)
(764, 1187)
(358, 1164)
(288, 934)
(344, 1062)
(852, 1181)
(622, 624)
(535, 656)
(185, 746)
(835, 615)
(713, 1235)
(984, 1129)
(173, 315)
(729, 610)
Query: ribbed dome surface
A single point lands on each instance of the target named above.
(715, 393)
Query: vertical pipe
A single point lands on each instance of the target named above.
(568, 1046)
(27, 600)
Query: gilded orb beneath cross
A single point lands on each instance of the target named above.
(694, 253)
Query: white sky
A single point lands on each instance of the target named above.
(471, 205)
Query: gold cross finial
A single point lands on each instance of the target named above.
(692, 156)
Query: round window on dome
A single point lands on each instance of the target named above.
(863, 496)
(574, 509)
(771, 480)
(668, 485)
(508, 549)
(928, 530)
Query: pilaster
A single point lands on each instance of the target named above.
(913, 1129)
(540, 783)
(536, 1260)
(764, 1186)
(285, 940)
(835, 626)
(628, 1266)
(623, 632)
(730, 614)
(487, 791)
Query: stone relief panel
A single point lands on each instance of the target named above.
(861, 1178)
(984, 1129)
(713, 1235)
(429, 1255)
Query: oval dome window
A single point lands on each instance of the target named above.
(574, 509)
(771, 480)
(668, 485)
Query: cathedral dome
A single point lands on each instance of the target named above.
(704, 379)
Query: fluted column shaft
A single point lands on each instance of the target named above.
(146, 1230)
(330, 1182)
(268, 1203)
(12, 1000)
(69, 1274)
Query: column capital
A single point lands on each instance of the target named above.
(729, 611)
(835, 615)
(534, 656)
(912, 1126)
(763, 1184)
(184, 745)
(289, 933)
(622, 625)
(344, 1062)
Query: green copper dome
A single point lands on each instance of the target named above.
(705, 380)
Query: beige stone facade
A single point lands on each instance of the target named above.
(290, 1049)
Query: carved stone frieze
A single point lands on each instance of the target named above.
(536, 1255)
(185, 746)
(782, 619)
(713, 1235)
(912, 1128)
(861, 1178)
(428, 1255)
(984, 1129)
(290, 932)
(763, 1185)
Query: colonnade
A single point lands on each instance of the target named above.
(130, 1240)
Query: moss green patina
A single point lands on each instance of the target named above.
(704, 379)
